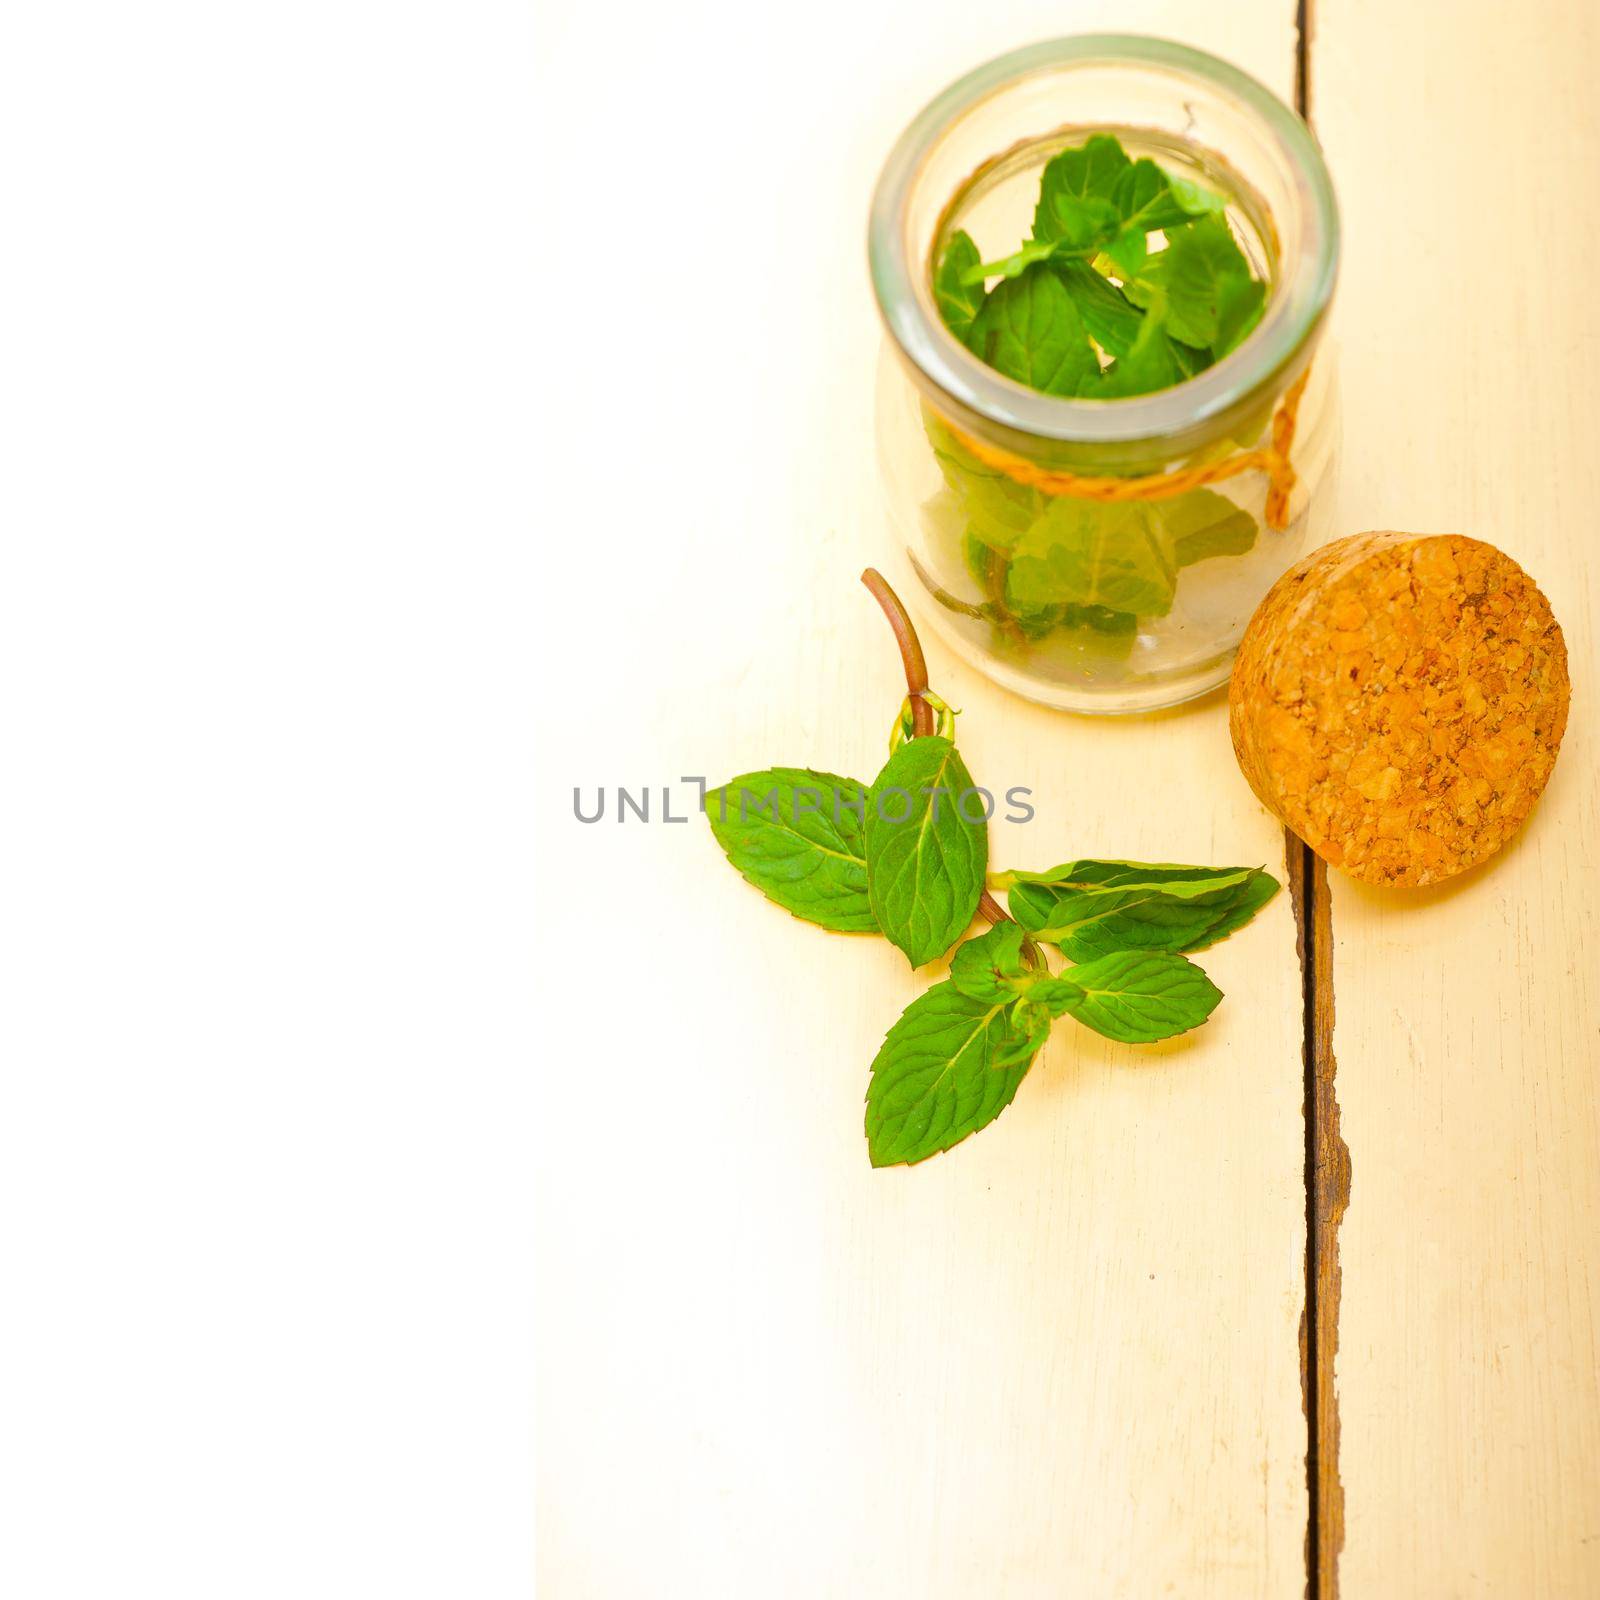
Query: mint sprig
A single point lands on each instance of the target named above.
(907, 858)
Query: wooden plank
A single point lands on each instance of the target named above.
(1467, 155)
(1064, 1359)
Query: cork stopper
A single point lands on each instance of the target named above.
(1398, 701)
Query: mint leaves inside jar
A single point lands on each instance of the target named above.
(1131, 282)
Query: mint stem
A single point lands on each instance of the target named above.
(995, 568)
(989, 907)
(911, 655)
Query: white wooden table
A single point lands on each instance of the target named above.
(1072, 1357)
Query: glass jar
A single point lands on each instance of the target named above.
(1147, 528)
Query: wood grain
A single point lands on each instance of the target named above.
(1465, 144)
(1063, 1359)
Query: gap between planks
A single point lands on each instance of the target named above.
(1327, 1157)
(1327, 1180)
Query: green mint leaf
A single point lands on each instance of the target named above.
(1083, 553)
(1121, 624)
(1120, 559)
(989, 967)
(1098, 873)
(1099, 632)
(1076, 183)
(1146, 287)
(927, 848)
(1203, 269)
(1196, 201)
(1164, 358)
(1030, 1025)
(998, 509)
(1146, 201)
(1113, 323)
(936, 1079)
(1092, 908)
(799, 836)
(1136, 996)
(1055, 994)
(1239, 309)
(1190, 360)
(1081, 227)
(1249, 899)
(1203, 524)
(1029, 329)
(957, 298)
(1085, 923)
(1011, 266)
(1154, 361)
(1128, 253)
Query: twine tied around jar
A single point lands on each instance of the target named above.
(1271, 458)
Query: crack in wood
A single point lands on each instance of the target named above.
(1302, 58)
(1327, 1176)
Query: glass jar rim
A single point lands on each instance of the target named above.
(1271, 348)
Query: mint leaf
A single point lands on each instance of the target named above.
(1152, 362)
(1092, 908)
(1112, 322)
(957, 298)
(989, 967)
(1248, 900)
(1135, 996)
(925, 855)
(1123, 558)
(1081, 227)
(936, 1079)
(1099, 873)
(1239, 301)
(1128, 253)
(1092, 633)
(1239, 309)
(1147, 287)
(1029, 329)
(1203, 524)
(1203, 269)
(1113, 632)
(799, 837)
(1078, 184)
(1084, 553)
(1085, 923)
(1011, 266)
(1196, 201)
(1030, 1027)
(999, 510)
(1146, 201)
